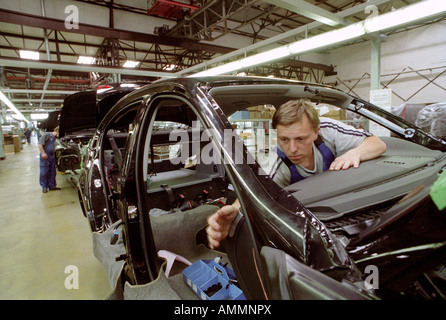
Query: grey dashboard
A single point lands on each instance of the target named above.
(403, 167)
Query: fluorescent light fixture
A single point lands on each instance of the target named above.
(39, 116)
(273, 54)
(170, 67)
(86, 60)
(407, 15)
(298, 47)
(27, 54)
(12, 107)
(130, 64)
(415, 13)
(348, 33)
(229, 67)
(16, 117)
(326, 39)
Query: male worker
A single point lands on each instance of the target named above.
(47, 177)
(308, 145)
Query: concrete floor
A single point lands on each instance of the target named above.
(41, 234)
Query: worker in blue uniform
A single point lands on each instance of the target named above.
(47, 162)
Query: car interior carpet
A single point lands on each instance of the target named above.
(175, 232)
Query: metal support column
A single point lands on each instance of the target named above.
(375, 63)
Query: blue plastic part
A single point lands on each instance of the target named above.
(203, 274)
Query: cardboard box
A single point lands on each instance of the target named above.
(268, 114)
(9, 148)
(14, 140)
(333, 113)
(240, 115)
(17, 144)
(255, 115)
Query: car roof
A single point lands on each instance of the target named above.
(236, 93)
(233, 93)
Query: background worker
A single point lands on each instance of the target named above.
(47, 177)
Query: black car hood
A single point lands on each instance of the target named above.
(78, 112)
(85, 110)
(51, 122)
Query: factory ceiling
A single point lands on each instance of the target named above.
(167, 39)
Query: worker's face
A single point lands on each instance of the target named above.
(296, 141)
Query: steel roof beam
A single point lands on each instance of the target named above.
(37, 100)
(310, 11)
(30, 20)
(38, 91)
(8, 62)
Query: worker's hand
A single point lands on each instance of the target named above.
(347, 160)
(220, 224)
(44, 156)
(370, 148)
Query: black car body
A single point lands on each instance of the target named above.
(51, 122)
(325, 237)
(80, 115)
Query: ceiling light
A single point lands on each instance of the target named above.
(86, 60)
(12, 107)
(273, 54)
(298, 47)
(131, 64)
(170, 67)
(229, 67)
(327, 39)
(407, 15)
(27, 54)
(39, 116)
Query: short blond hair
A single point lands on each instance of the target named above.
(294, 111)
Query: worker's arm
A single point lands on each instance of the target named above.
(42, 151)
(370, 148)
